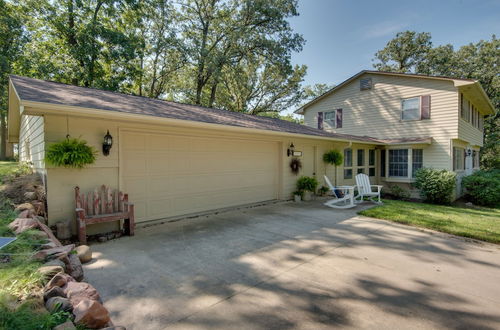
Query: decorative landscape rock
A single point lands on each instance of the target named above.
(30, 195)
(54, 292)
(24, 206)
(91, 314)
(55, 262)
(68, 325)
(50, 271)
(53, 253)
(78, 291)
(60, 280)
(84, 253)
(76, 269)
(26, 214)
(56, 304)
(20, 225)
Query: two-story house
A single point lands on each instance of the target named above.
(440, 118)
(176, 159)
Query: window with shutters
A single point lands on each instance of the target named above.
(331, 118)
(348, 163)
(410, 109)
(365, 84)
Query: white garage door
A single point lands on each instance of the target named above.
(170, 175)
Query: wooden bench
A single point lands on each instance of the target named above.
(103, 205)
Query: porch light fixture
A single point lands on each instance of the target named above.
(290, 150)
(107, 143)
(467, 152)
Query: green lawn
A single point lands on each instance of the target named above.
(479, 223)
(7, 168)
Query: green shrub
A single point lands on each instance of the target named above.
(307, 183)
(436, 186)
(323, 190)
(333, 157)
(71, 153)
(483, 187)
(399, 192)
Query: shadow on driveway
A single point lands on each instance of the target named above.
(300, 266)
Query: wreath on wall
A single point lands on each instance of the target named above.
(72, 153)
(295, 165)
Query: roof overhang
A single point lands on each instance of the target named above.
(475, 92)
(41, 108)
(14, 112)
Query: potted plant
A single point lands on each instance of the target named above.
(73, 153)
(297, 196)
(323, 190)
(307, 185)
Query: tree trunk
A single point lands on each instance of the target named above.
(3, 128)
(213, 93)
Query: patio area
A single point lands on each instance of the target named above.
(296, 266)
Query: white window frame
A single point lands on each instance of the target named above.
(348, 167)
(331, 124)
(409, 177)
(419, 108)
(458, 159)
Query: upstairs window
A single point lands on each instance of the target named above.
(464, 108)
(331, 118)
(410, 109)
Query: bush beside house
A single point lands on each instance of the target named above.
(436, 186)
(483, 188)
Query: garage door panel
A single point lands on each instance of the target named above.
(176, 175)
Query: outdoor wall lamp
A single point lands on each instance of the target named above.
(468, 152)
(107, 143)
(290, 150)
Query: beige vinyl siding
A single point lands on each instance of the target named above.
(377, 112)
(469, 133)
(107, 170)
(32, 141)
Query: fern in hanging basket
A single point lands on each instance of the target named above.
(73, 153)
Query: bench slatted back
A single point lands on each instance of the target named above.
(102, 200)
(363, 183)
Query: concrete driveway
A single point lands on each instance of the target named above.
(296, 266)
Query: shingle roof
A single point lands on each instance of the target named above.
(51, 92)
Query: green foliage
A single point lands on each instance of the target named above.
(478, 223)
(71, 153)
(483, 187)
(399, 192)
(306, 183)
(404, 52)
(323, 190)
(333, 157)
(436, 186)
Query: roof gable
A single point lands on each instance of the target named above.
(457, 82)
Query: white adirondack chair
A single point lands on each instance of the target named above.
(365, 189)
(344, 202)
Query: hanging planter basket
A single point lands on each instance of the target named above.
(295, 165)
(71, 153)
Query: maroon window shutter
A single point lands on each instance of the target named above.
(339, 118)
(425, 107)
(320, 120)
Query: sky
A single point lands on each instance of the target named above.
(343, 36)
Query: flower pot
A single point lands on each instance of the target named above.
(297, 198)
(307, 195)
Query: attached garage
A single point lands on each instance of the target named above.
(170, 175)
(172, 159)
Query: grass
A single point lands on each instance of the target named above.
(478, 223)
(20, 283)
